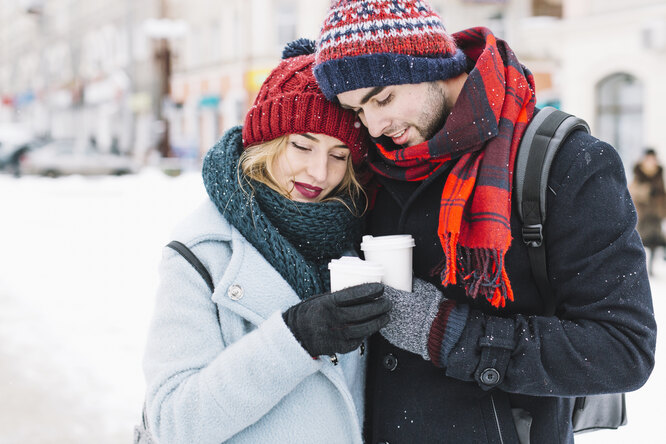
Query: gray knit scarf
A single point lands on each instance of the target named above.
(298, 239)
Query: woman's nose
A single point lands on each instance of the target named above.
(318, 168)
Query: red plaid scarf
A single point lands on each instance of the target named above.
(481, 138)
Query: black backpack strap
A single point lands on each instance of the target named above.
(194, 261)
(543, 137)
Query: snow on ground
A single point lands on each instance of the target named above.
(78, 272)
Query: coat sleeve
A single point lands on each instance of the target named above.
(602, 337)
(200, 388)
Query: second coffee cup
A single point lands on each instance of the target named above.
(394, 253)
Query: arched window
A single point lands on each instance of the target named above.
(620, 115)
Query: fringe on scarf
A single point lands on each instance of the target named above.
(488, 277)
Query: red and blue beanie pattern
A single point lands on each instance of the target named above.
(370, 43)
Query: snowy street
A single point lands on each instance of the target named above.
(78, 275)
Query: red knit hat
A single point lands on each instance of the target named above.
(290, 102)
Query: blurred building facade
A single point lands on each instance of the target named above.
(224, 58)
(603, 61)
(79, 69)
(170, 76)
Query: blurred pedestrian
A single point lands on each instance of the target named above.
(647, 191)
(255, 362)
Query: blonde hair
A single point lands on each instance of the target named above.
(256, 163)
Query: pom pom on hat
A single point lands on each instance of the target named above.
(299, 47)
(290, 102)
(383, 42)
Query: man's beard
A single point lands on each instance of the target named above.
(437, 110)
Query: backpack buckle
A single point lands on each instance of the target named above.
(533, 235)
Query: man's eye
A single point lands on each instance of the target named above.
(385, 101)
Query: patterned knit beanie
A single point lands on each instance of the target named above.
(290, 102)
(369, 43)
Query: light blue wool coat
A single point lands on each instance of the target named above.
(244, 378)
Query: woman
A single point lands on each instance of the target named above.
(238, 366)
(647, 191)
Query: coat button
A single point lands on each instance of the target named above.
(235, 292)
(390, 362)
(490, 376)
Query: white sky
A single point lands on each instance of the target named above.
(78, 272)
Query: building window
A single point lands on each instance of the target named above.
(286, 16)
(550, 8)
(620, 115)
(496, 24)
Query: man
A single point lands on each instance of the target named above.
(467, 356)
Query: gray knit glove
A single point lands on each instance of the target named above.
(412, 316)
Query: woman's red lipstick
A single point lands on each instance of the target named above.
(308, 191)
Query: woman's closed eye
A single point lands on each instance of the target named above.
(300, 147)
(339, 156)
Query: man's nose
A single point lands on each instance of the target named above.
(375, 123)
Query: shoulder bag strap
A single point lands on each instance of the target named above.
(194, 261)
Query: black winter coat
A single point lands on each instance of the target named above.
(601, 340)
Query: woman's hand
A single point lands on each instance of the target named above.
(338, 322)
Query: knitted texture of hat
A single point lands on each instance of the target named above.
(374, 43)
(290, 102)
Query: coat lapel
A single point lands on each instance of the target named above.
(250, 286)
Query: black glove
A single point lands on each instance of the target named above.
(338, 322)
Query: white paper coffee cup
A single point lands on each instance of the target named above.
(394, 254)
(350, 270)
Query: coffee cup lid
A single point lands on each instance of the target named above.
(356, 265)
(390, 242)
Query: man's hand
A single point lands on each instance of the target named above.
(412, 316)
